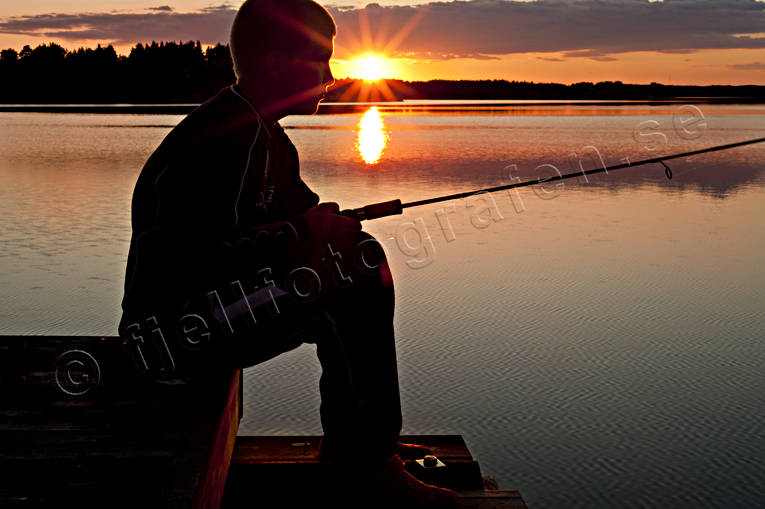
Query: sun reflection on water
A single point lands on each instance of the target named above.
(372, 137)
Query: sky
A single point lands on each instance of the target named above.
(564, 41)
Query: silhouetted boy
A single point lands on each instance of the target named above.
(233, 261)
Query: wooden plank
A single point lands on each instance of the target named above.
(201, 467)
(491, 499)
(253, 448)
(443, 446)
(277, 464)
(215, 474)
(284, 470)
(136, 482)
(129, 442)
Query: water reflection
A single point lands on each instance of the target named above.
(372, 137)
(623, 315)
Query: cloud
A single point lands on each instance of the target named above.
(592, 54)
(753, 66)
(594, 29)
(483, 29)
(209, 25)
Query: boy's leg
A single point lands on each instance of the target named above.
(351, 323)
(360, 409)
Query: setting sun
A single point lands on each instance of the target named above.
(370, 67)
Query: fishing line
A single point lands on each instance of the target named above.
(394, 207)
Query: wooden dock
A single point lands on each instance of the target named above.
(285, 470)
(80, 427)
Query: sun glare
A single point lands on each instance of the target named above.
(372, 137)
(370, 67)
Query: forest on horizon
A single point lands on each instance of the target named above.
(184, 72)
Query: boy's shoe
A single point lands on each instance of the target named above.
(347, 486)
(401, 489)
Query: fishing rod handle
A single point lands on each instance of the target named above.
(386, 208)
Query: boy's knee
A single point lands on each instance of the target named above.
(365, 251)
(369, 255)
(370, 259)
(359, 255)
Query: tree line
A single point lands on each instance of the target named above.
(182, 72)
(604, 90)
(160, 72)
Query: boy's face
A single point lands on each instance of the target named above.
(303, 79)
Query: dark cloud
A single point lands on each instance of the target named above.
(580, 28)
(754, 66)
(594, 29)
(210, 25)
(161, 8)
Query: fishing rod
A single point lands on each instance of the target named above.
(394, 207)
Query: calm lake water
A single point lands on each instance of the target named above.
(598, 344)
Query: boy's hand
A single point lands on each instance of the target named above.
(324, 222)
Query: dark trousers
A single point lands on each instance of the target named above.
(360, 403)
(349, 316)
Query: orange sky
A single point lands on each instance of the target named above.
(589, 40)
(700, 68)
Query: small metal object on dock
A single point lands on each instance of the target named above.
(430, 461)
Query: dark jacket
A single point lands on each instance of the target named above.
(220, 199)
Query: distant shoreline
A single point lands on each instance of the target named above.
(173, 74)
(452, 105)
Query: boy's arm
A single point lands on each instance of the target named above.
(189, 260)
(187, 237)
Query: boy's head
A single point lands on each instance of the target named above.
(284, 46)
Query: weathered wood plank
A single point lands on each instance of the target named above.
(285, 470)
(279, 464)
(137, 482)
(201, 469)
(305, 447)
(491, 499)
(127, 441)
